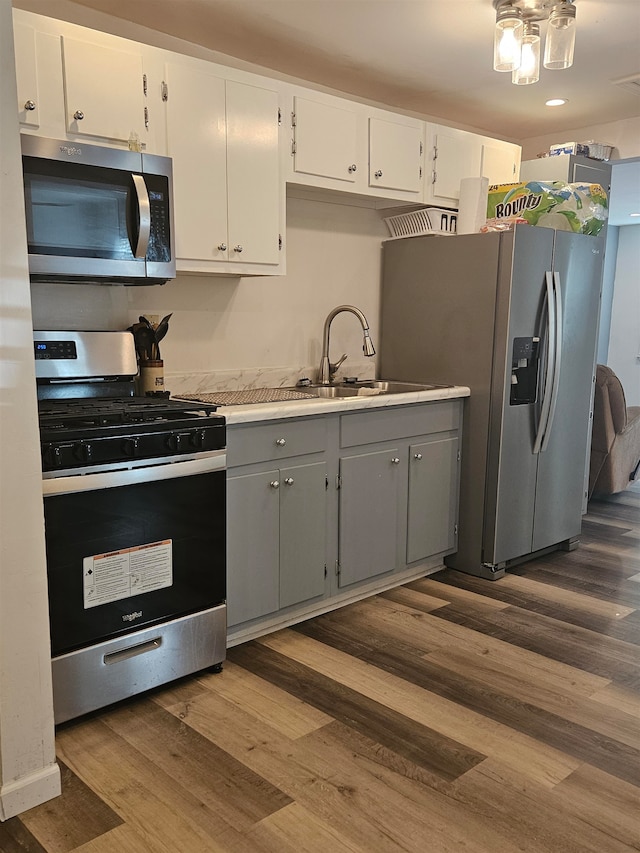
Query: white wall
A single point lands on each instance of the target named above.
(251, 324)
(624, 135)
(28, 772)
(624, 341)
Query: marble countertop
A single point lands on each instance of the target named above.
(256, 412)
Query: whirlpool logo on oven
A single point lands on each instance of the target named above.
(131, 617)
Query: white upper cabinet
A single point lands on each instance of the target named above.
(454, 154)
(500, 161)
(324, 140)
(253, 174)
(197, 143)
(78, 84)
(395, 155)
(223, 138)
(342, 145)
(27, 76)
(104, 90)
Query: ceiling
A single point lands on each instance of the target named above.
(432, 57)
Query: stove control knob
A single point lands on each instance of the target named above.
(196, 439)
(130, 447)
(82, 451)
(172, 442)
(51, 457)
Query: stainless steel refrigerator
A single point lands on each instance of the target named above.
(514, 316)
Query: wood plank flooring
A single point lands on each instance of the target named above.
(450, 714)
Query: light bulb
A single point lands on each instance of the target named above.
(508, 39)
(561, 37)
(529, 69)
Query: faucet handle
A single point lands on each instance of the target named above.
(333, 368)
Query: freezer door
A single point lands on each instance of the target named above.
(560, 486)
(510, 491)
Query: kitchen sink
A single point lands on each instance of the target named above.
(332, 390)
(368, 388)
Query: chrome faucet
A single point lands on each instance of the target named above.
(328, 370)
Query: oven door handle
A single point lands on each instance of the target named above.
(215, 461)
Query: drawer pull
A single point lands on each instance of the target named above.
(281, 442)
(275, 484)
(395, 460)
(132, 651)
(418, 456)
(288, 481)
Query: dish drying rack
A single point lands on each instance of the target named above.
(427, 220)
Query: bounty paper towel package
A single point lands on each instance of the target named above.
(575, 207)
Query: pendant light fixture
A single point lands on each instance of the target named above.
(517, 37)
(529, 69)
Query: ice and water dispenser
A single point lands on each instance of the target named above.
(524, 371)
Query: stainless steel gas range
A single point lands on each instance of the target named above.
(135, 516)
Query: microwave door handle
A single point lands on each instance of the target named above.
(144, 217)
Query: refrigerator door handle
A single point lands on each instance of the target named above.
(551, 359)
(556, 368)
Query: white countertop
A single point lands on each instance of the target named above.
(256, 412)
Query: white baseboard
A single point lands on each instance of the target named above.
(29, 791)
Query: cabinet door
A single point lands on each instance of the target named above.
(456, 154)
(303, 520)
(196, 140)
(252, 546)
(325, 140)
(433, 498)
(500, 161)
(395, 153)
(27, 75)
(253, 178)
(103, 90)
(368, 522)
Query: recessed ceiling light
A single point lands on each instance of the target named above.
(555, 102)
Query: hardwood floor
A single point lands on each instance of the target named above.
(450, 714)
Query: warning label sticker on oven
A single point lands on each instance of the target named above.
(131, 571)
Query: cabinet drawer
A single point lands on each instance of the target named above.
(275, 440)
(403, 422)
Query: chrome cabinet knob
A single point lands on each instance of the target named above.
(30, 105)
(222, 247)
(78, 115)
(275, 484)
(417, 456)
(395, 460)
(281, 442)
(353, 168)
(288, 481)
(378, 174)
(237, 248)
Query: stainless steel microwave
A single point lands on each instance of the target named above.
(96, 214)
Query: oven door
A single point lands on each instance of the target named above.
(130, 548)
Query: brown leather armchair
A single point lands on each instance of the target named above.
(615, 441)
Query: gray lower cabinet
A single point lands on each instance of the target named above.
(277, 517)
(368, 515)
(432, 510)
(370, 492)
(399, 478)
